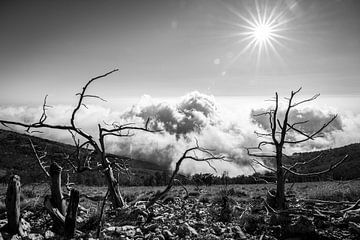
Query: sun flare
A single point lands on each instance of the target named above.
(262, 28)
(262, 33)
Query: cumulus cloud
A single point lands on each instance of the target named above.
(315, 117)
(195, 115)
(338, 133)
(194, 112)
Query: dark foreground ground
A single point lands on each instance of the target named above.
(206, 212)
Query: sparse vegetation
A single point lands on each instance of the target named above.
(199, 210)
(283, 132)
(336, 192)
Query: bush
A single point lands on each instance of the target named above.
(28, 194)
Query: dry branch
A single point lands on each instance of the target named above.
(39, 159)
(97, 144)
(331, 167)
(190, 153)
(278, 138)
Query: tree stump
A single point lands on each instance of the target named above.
(57, 199)
(70, 220)
(13, 206)
(271, 198)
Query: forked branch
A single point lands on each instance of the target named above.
(190, 153)
(331, 167)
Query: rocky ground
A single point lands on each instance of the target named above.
(230, 214)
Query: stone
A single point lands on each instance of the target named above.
(303, 227)
(49, 234)
(238, 233)
(3, 223)
(185, 229)
(26, 227)
(167, 234)
(35, 236)
(16, 237)
(211, 237)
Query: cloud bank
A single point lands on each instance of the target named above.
(194, 115)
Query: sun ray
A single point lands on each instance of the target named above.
(262, 29)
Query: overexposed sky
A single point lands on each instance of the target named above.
(171, 47)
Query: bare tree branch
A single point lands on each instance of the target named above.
(305, 162)
(279, 130)
(333, 166)
(39, 158)
(263, 165)
(189, 153)
(306, 100)
(313, 134)
(258, 154)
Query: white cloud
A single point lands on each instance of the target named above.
(226, 128)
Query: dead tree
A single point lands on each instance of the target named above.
(64, 220)
(57, 198)
(191, 153)
(13, 206)
(105, 162)
(278, 137)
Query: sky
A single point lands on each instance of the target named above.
(176, 53)
(169, 48)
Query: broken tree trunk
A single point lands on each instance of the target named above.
(54, 212)
(115, 196)
(13, 206)
(70, 220)
(57, 200)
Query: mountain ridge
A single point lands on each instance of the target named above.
(17, 156)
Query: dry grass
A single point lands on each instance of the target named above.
(336, 192)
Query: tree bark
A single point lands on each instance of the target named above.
(70, 220)
(13, 206)
(115, 195)
(280, 184)
(54, 212)
(57, 199)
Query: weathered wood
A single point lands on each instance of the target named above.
(116, 197)
(70, 220)
(101, 214)
(54, 212)
(13, 206)
(57, 199)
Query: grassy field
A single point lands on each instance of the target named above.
(334, 190)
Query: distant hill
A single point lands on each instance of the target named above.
(17, 156)
(350, 169)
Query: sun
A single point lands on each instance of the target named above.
(262, 33)
(262, 28)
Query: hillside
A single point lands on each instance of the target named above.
(350, 169)
(17, 156)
